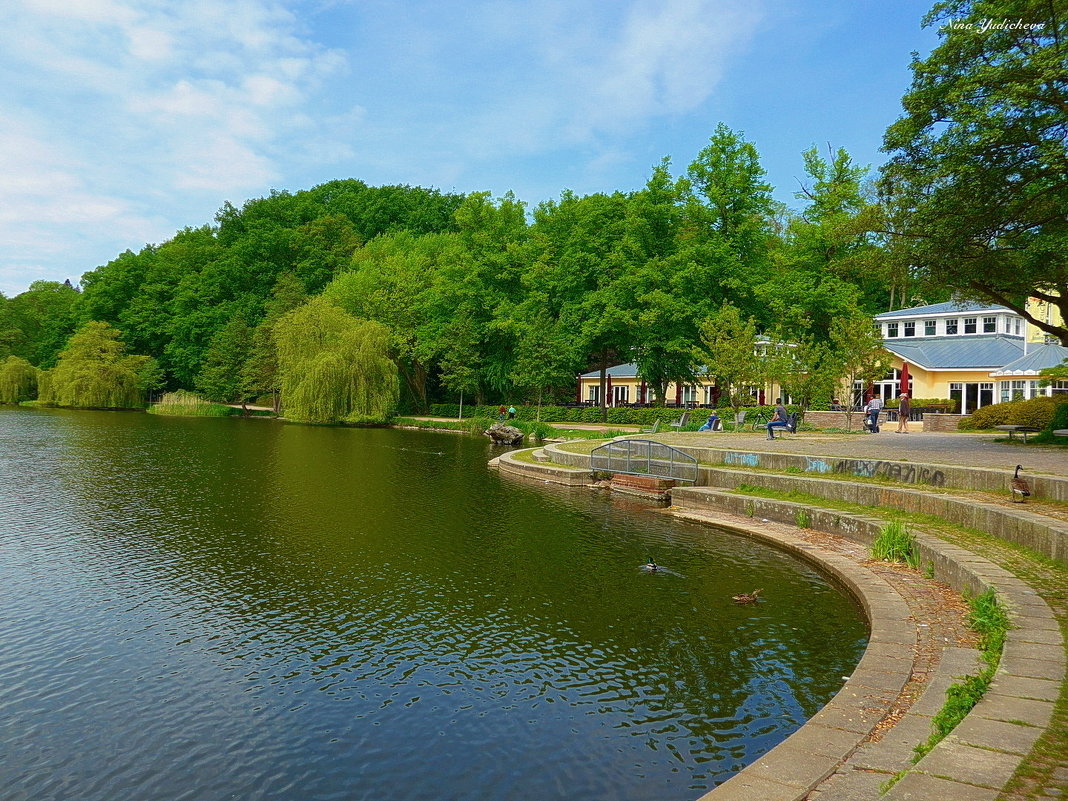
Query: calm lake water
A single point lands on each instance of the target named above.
(212, 609)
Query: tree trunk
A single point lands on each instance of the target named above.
(604, 386)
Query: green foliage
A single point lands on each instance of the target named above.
(35, 324)
(1059, 422)
(1036, 413)
(728, 352)
(987, 617)
(18, 380)
(220, 376)
(802, 519)
(334, 367)
(94, 371)
(975, 187)
(189, 404)
(896, 544)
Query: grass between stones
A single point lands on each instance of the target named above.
(1044, 771)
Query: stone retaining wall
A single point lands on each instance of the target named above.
(1042, 534)
(1009, 718)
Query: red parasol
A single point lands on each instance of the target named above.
(904, 383)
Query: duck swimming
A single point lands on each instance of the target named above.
(747, 597)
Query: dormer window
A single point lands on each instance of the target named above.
(990, 325)
(929, 328)
(1016, 325)
(951, 327)
(910, 328)
(970, 326)
(891, 330)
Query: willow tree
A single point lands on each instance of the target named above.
(94, 371)
(334, 366)
(18, 380)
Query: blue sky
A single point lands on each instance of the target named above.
(122, 121)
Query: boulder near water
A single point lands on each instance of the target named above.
(502, 434)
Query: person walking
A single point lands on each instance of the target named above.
(875, 405)
(903, 410)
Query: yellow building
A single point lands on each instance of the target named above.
(976, 354)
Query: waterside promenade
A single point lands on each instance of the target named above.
(825, 497)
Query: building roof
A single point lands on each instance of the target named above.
(957, 353)
(1038, 357)
(949, 307)
(629, 370)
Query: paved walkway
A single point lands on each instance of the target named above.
(977, 450)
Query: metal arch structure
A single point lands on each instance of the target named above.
(644, 457)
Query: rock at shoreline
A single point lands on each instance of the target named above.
(502, 434)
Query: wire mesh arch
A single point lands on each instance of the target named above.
(644, 457)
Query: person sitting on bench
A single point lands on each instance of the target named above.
(713, 423)
(781, 419)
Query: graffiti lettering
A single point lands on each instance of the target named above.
(895, 471)
(747, 459)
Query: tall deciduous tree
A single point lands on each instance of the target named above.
(18, 380)
(729, 352)
(858, 353)
(977, 183)
(95, 371)
(334, 367)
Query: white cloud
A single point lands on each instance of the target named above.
(123, 102)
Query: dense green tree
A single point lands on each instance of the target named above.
(976, 188)
(334, 367)
(35, 324)
(259, 372)
(95, 371)
(728, 351)
(857, 355)
(219, 378)
(18, 380)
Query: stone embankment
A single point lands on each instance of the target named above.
(862, 742)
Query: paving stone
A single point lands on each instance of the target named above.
(965, 763)
(823, 741)
(1005, 707)
(795, 767)
(920, 787)
(1034, 668)
(1024, 687)
(849, 785)
(895, 750)
(1015, 649)
(998, 735)
(746, 787)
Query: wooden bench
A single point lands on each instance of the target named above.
(1060, 432)
(1013, 430)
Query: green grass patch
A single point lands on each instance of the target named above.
(895, 543)
(988, 618)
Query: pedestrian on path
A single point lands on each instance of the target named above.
(903, 410)
(875, 405)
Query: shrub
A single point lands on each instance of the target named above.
(189, 404)
(1036, 413)
(896, 544)
(1059, 421)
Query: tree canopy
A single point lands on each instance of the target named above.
(976, 190)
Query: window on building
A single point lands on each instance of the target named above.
(1017, 326)
(710, 395)
(595, 394)
(1018, 390)
(1056, 387)
(620, 395)
(929, 328)
(970, 325)
(891, 330)
(910, 328)
(689, 394)
(990, 325)
(951, 326)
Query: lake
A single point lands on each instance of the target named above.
(212, 609)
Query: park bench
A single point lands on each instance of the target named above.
(684, 418)
(653, 430)
(1060, 432)
(1013, 430)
